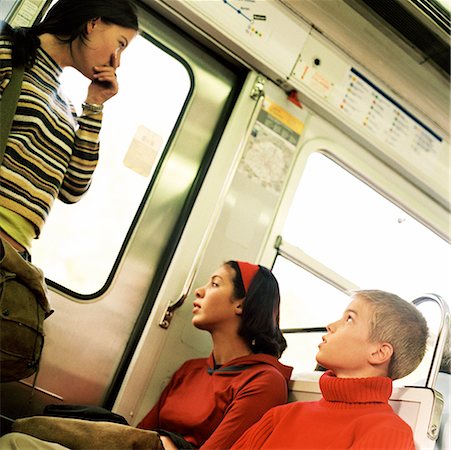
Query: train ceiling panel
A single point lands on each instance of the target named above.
(423, 24)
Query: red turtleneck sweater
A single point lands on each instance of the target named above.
(353, 414)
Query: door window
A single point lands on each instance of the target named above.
(80, 243)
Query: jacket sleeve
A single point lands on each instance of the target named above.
(151, 420)
(256, 436)
(84, 159)
(266, 390)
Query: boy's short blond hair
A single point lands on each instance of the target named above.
(400, 324)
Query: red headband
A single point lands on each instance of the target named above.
(248, 272)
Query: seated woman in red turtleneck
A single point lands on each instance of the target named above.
(380, 338)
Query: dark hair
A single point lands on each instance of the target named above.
(67, 20)
(260, 316)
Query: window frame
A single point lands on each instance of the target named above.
(151, 184)
(366, 167)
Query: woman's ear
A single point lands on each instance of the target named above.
(92, 24)
(239, 307)
(381, 354)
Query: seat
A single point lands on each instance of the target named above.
(443, 385)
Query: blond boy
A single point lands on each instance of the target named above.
(379, 338)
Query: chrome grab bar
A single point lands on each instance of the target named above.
(307, 262)
(257, 93)
(442, 335)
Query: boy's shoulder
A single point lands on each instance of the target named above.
(388, 426)
(389, 418)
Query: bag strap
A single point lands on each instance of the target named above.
(8, 106)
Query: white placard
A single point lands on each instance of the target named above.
(143, 151)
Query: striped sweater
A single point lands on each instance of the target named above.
(51, 153)
(353, 414)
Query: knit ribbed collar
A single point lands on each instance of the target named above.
(355, 390)
(49, 62)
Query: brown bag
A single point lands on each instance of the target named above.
(23, 308)
(78, 434)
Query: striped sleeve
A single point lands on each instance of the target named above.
(84, 159)
(5, 63)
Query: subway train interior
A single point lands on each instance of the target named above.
(308, 136)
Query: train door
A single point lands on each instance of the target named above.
(106, 257)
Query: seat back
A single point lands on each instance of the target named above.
(443, 385)
(421, 408)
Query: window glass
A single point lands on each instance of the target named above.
(349, 227)
(80, 242)
(300, 290)
(353, 230)
(306, 302)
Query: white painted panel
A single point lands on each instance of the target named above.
(263, 28)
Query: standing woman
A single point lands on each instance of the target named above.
(210, 402)
(50, 151)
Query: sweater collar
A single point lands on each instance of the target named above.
(355, 390)
(244, 362)
(49, 62)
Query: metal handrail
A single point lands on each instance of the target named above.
(301, 259)
(258, 95)
(304, 330)
(442, 335)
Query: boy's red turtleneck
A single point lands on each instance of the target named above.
(353, 414)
